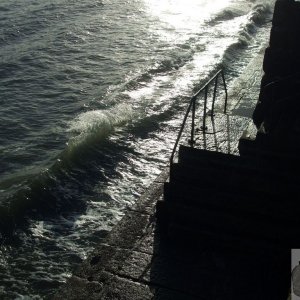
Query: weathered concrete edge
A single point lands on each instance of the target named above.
(90, 278)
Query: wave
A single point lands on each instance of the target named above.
(177, 58)
(258, 15)
(93, 126)
(89, 158)
(225, 15)
(233, 50)
(52, 192)
(85, 161)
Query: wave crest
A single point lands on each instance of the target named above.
(96, 125)
(259, 12)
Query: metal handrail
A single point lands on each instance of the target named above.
(192, 105)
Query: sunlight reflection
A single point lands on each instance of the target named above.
(180, 13)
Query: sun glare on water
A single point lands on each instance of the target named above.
(184, 13)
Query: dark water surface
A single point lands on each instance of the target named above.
(92, 94)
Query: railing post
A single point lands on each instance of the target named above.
(203, 127)
(192, 105)
(214, 95)
(180, 131)
(192, 141)
(226, 94)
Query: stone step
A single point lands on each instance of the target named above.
(261, 249)
(232, 224)
(257, 205)
(212, 159)
(282, 158)
(192, 156)
(279, 146)
(227, 179)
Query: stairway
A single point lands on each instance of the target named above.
(232, 200)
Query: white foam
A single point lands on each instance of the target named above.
(98, 124)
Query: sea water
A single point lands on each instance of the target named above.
(92, 95)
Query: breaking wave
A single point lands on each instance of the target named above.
(255, 18)
(256, 15)
(93, 126)
(52, 191)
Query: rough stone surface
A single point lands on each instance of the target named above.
(245, 90)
